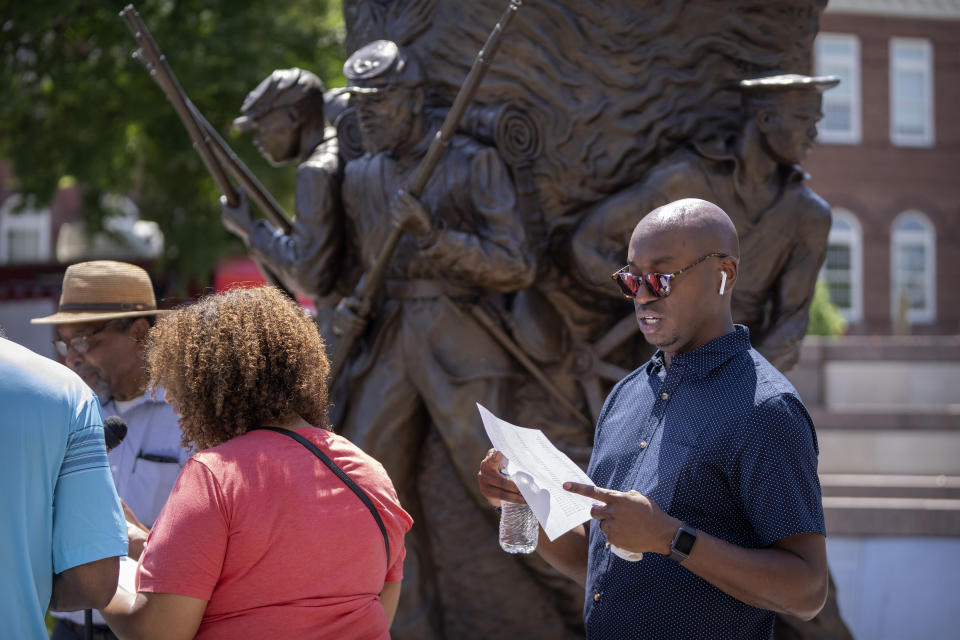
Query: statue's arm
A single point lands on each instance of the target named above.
(308, 259)
(794, 292)
(496, 253)
(598, 246)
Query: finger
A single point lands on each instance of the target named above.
(600, 512)
(495, 493)
(493, 477)
(590, 491)
(493, 461)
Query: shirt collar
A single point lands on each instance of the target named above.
(151, 396)
(704, 359)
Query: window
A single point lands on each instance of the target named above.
(839, 55)
(24, 232)
(843, 268)
(911, 92)
(912, 268)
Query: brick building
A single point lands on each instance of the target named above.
(888, 162)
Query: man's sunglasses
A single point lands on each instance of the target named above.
(81, 344)
(658, 284)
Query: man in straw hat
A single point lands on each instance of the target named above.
(106, 310)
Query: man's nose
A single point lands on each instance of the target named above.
(74, 358)
(643, 297)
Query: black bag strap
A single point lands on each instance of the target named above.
(340, 473)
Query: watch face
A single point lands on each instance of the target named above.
(685, 542)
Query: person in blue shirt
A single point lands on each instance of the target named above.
(62, 528)
(704, 460)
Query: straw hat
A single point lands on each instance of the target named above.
(103, 290)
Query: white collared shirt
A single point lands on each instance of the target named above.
(146, 463)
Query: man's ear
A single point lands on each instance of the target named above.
(139, 330)
(764, 118)
(729, 266)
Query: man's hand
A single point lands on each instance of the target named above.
(629, 520)
(409, 214)
(347, 319)
(237, 220)
(136, 532)
(495, 486)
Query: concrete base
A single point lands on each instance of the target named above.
(897, 588)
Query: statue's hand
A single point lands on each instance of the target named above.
(237, 219)
(347, 318)
(409, 214)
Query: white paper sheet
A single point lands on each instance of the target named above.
(128, 574)
(539, 469)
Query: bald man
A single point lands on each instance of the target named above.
(704, 460)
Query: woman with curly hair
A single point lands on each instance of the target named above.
(259, 539)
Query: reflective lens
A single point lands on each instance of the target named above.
(78, 344)
(658, 284)
(81, 344)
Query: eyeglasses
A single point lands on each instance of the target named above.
(658, 284)
(81, 344)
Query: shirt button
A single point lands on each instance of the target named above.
(596, 597)
(664, 395)
(643, 444)
(607, 546)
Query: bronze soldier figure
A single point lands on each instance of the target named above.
(756, 177)
(423, 362)
(286, 113)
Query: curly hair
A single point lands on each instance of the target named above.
(239, 360)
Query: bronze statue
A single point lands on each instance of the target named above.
(594, 107)
(424, 362)
(756, 177)
(286, 113)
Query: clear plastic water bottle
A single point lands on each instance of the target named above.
(518, 528)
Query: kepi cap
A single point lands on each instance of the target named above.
(380, 65)
(282, 88)
(103, 290)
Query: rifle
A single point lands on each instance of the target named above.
(213, 150)
(366, 291)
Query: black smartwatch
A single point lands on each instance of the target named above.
(682, 544)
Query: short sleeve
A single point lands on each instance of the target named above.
(88, 522)
(186, 546)
(776, 471)
(395, 572)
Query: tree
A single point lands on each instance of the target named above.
(825, 319)
(75, 103)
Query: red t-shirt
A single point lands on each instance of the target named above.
(277, 544)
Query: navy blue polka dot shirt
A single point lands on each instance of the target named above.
(721, 441)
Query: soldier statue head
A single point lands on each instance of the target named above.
(781, 113)
(386, 87)
(285, 112)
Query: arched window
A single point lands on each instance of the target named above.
(913, 244)
(843, 268)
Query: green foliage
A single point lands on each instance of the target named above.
(825, 319)
(76, 104)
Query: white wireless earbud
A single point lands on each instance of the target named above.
(723, 281)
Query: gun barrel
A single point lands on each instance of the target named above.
(242, 174)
